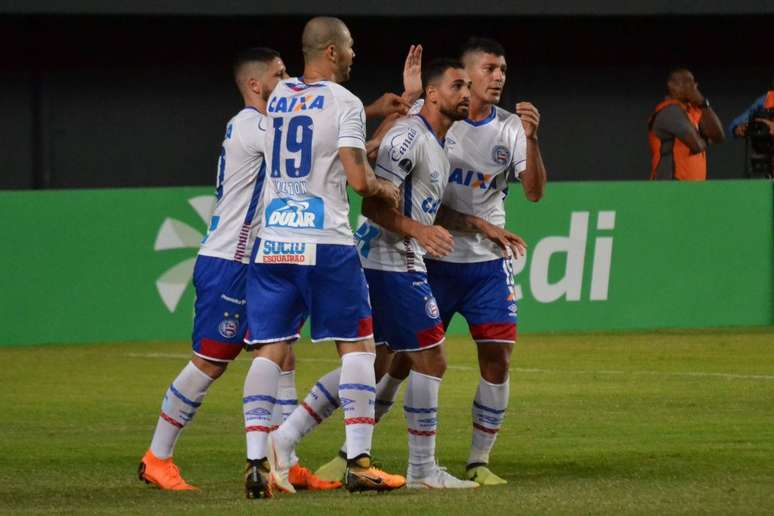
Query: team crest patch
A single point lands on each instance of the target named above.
(431, 309)
(500, 154)
(228, 328)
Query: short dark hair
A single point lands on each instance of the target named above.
(435, 69)
(252, 55)
(486, 45)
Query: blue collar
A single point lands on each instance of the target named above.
(430, 128)
(484, 121)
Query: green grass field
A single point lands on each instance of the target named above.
(649, 423)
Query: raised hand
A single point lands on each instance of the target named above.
(530, 118)
(412, 74)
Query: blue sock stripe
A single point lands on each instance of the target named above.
(183, 398)
(356, 387)
(331, 399)
(415, 410)
(286, 402)
(259, 397)
(482, 407)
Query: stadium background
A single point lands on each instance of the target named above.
(101, 94)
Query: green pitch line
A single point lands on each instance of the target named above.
(656, 423)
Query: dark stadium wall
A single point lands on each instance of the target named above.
(104, 101)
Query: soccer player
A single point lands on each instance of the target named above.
(304, 262)
(220, 275)
(493, 148)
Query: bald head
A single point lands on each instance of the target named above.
(322, 32)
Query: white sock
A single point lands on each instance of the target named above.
(488, 412)
(386, 391)
(260, 394)
(181, 401)
(318, 405)
(420, 405)
(357, 390)
(287, 402)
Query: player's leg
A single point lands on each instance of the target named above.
(219, 326)
(386, 390)
(346, 317)
(490, 309)
(270, 333)
(299, 476)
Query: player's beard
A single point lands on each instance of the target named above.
(458, 112)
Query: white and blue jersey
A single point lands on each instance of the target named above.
(412, 158)
(220, 273)
(240, 176)
(305, 199)
(485, 156)
(406, 315)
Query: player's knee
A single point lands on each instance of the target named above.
(211, 368)
(494, 361)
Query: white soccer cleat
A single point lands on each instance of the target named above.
(438, 478)
(279, 458)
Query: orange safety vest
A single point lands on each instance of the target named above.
(688, 167)
(769, 102)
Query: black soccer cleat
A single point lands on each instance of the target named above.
(258, 479)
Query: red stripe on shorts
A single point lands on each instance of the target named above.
(365, 327)
(220, 350)
(431, 336)
(493, 331)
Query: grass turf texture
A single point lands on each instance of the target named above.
(666, 422)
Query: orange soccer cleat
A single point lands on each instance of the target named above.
(162, 473)
(362, 476)
(303, 478)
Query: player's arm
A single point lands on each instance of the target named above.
(457, 221)
(362, 179)
(386, 105)
(436, 240)
(534, 176)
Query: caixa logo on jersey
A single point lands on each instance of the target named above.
(296, 104)
(306, 213)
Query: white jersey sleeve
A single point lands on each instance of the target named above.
(240, 176)
(398, 153)
(352, 122)
(487, 155)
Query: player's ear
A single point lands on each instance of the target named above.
(255, 86)
(331, 54)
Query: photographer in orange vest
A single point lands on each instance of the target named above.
(756, 124)
(680, 129)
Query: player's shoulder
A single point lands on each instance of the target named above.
(505, 117)
(340, 93)
(248, 119)
(402, 137)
